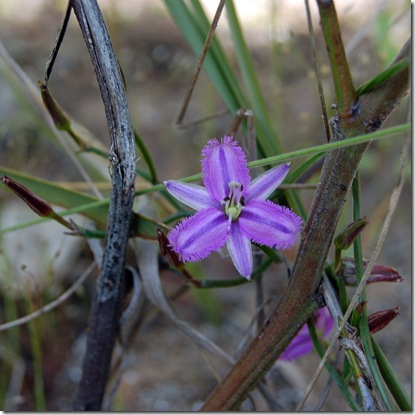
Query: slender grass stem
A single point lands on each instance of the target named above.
(39, 388)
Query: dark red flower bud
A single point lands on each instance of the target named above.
(380, 319)
(38, 205)
(379, 273)
(346, 238)
(173, 257)
(166, 250)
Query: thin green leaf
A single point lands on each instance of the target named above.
(267, 136)
(296, 203)
(234, 282)
(191, 30)
(56, 194)
(146, 156)
(220, 58)
(394, 384)
(271, 253)
(341, 383)
(296, 174)
(384, 76)
(77, 202)
(363, 321)
(373, 365)
(281, 158)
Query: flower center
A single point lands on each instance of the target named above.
(234, 202)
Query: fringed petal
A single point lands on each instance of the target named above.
(224, 162)
(240, 250)
(192, 195)
(197, 236)
(267, 182)
(269, 224)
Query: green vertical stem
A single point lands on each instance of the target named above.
(357, 243)
(146, 156)
(373, 366)
(330, 368)
(317, 71)
(363, 321)
(397, 389)
(343, 83)
(219, 56)
(39, 390)
(10, 340)
(268, 140)
(194, 27)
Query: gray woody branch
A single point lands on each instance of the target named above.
(103, 323)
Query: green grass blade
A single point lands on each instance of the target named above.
(363, 323)
(267, 136)
(56, 194)
(191, 30)
(77, 202)
(39, 387)
(384, 76)
(297, 173)
(394, 384)
(146, 156)
(318, 347)
(220, 58)
(282, 158)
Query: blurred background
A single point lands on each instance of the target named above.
(40, 362)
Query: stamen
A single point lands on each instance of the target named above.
(234, 202)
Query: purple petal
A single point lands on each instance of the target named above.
(192, 195)
(269, 224)
(324, 321)
(267, 182)
(197, 236)
(300, 345)
(240, 250)
(223, 163)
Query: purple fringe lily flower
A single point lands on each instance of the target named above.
(231, 209)
(302, 343)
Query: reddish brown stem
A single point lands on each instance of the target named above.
(343, 83)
